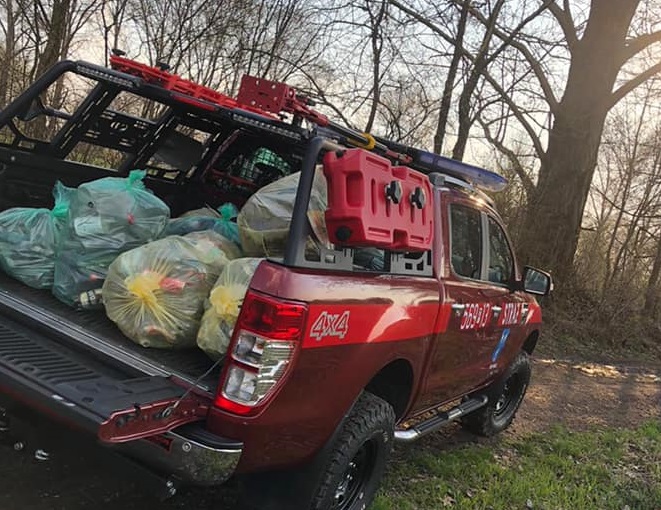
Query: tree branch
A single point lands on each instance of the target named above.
(526, 181)
(421, 19)
(564, 19)
(506, 98)
(535, 65)
(637, 44)
(629, 86)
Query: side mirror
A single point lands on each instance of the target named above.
(536, 281)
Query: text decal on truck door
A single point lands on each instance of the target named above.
(330, 324)
(475, 316)
(511, 314)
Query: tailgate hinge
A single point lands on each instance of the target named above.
(144, 420)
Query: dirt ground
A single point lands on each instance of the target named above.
(80, 477)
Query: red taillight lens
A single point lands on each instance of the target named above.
(272, 318)
(264, 343)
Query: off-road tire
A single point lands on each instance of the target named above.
(369, 427)
(505, 397)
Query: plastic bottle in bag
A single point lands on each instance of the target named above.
(28, 239)
(223, 306)
(155, 293)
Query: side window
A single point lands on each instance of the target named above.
(466, 241)
(501, 262)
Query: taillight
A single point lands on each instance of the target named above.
(265, 341)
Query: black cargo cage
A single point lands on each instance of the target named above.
(123, 123)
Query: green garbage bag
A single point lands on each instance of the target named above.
(155, 293)
(265, 218)
(28, 238)
(223, 306)
(224, 223)
(106, 218)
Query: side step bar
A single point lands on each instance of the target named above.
(440, 420)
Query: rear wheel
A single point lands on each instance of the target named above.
(345, 477)
(359, 457)
(505, 397)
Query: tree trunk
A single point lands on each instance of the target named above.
(553, 219)
(465, 121)
(10, 43)
(464, 110)
(446, 100)
(376, 40)
(651, 293)
(55, 38)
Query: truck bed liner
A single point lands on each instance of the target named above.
(93, 331)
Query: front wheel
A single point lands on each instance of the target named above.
(345, 477)
(505, 397)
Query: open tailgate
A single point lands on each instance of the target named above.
(116, 404)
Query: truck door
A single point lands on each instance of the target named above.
(458, 351)
(509, 308)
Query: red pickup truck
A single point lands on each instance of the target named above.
(334, 357)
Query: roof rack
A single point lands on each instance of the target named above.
(271, 99)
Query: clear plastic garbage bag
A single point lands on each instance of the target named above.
(155, 294)
(265, 218)
(223, 306)
(28, 239)
(106, 218)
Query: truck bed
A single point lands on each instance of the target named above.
(92, 331)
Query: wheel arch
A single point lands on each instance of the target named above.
(531, 342)
(394, 384)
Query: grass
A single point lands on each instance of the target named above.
(606, 469)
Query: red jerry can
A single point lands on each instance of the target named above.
(373, 203)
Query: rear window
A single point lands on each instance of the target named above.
(501, 261)
(466, 241)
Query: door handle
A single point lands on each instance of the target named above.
(458, 309)
(496, 312)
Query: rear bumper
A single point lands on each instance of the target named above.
(191, 455)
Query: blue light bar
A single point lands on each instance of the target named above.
(478, 177)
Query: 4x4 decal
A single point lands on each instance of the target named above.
(330, 324)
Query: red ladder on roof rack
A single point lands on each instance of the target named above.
(182, 87)
(256, 95)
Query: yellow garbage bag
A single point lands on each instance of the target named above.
(155, 293)
(223, 306)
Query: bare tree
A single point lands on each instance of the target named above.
(112, 14)
(599, 48)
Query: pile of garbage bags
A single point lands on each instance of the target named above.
(28, 239)
(106, 218)
(223, 306)
(155, 293)
(166, 283)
